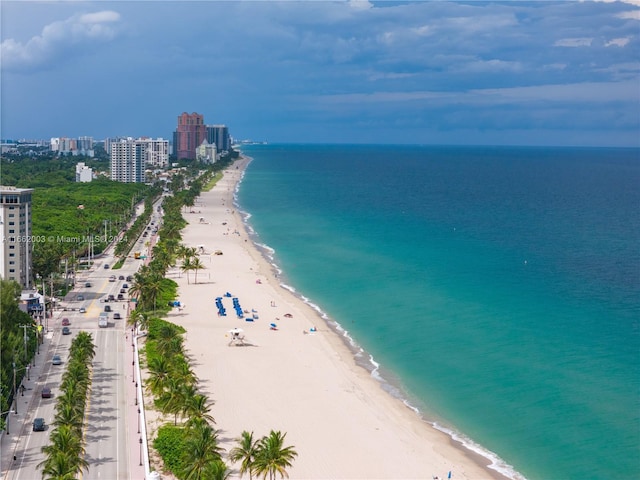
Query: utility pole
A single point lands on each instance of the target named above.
(15, 400)
(25, 341)
(44, 302)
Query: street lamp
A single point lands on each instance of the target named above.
(138, 419)
(140, 451)
(6, 422)
(133, 371)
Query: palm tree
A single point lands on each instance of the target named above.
(216, 470)
(245, 452)
(201, 449)
(196, 264)
(172, 400)
(159, 368)
(196, 408)
(187, 266)
(64, 438)
(69, 416)
(62, 466)
(272, 457)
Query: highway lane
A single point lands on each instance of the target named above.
(106, 436)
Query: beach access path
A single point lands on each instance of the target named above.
(341, 422)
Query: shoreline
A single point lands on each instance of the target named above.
(421, 448)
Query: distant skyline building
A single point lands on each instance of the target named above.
(79, 146)
(128, 161)
(156, 151)
(219, 135)
(189, 135)
(83, 173)
(15, 227)
(206, 153)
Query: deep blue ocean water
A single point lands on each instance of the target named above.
(497, 288)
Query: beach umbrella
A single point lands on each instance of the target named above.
(273, 325)
(236, 330)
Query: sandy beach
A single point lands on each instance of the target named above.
(340, 421)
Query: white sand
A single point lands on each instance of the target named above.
(339, 419)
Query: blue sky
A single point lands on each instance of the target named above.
(504, 73)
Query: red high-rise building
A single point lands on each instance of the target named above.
(190, 134)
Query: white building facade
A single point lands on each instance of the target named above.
(15, 227)
(206, 153)
(83, 173)
(127, 161)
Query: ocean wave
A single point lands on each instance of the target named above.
(369, 363)
(495, 462)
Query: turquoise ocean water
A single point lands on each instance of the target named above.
(495, 289)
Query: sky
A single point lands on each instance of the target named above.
(540, 73)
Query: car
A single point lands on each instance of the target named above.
(120, 296)
(46, 392)
(107, 308)
(111, 298)
(65, 322)
(125, 285)
(82, 310)
(56, 360)
(106, 266)
(88, 284)
(123, 290)
(129, 278)
(103, 321)
(121, 277)
(66, 331)
(112, 278)
(39, 425)
(116, 316)
(80, 298)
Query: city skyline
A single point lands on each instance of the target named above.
(505, 73)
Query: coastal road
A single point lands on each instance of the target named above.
(112, 423)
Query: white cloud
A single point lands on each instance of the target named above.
(100, 17)
(630, 15)
(360, 4)
(618, 42)
(587, 93)
(573, 42)
(59, 40)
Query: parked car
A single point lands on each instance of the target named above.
(107, 308)
(129, 278)
(80, 298)
(116, 316)
(65, 322)
(125, 285)
(46, 392)
(82, 310)
(39, 425)
(88, 284)
(120, 296)
(111, 298)
(106, 266)
(121, 277)
(56, 360)
(123, 290)
(66, 331)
